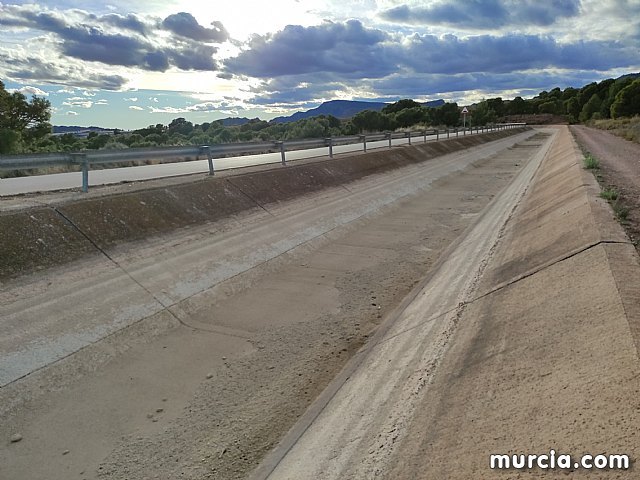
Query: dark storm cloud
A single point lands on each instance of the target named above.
(129, 22)
(508, 53)
(348, 49)
(185, 25)
(92, 44)
(419, 85)
(113, 39)
(484, 14)
(37, 69)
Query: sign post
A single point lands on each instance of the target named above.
(465, 110)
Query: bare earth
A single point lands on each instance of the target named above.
(619, 168)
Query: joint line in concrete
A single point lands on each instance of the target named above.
(126, 272)
(253, 200)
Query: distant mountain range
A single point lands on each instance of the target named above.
(342, 109)
(60, 129)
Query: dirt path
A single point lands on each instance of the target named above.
(206, 386)
(619, 169)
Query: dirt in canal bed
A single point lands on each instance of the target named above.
(241, 409)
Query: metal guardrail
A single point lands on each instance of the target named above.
(95, 157)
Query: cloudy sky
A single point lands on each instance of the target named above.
(129, 64)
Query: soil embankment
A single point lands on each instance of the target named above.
(43, 236)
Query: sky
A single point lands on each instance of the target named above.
(130, 64)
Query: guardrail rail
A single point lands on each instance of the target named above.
(95, 157)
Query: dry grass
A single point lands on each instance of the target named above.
(627, 128)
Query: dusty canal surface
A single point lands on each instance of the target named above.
(221, 365)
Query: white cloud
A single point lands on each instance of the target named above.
(222, 107)
(72, 113)
(135, 107)
(131, 99)
(29, 90)
(78, 102)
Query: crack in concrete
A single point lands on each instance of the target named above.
(498, 288)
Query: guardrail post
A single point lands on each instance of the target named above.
(457, 132)
(364, 142)
(424, 132)
(330, 144)
(280, 145)
(81, 158)
(408, 135)
(437, 135)
(207, 150)
(389, 137)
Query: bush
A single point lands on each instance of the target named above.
(591, 163)
(609, 194)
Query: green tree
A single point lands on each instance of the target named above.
(592, 106)
(408, 117)
(482, 114)
(627, 101)
(181, 126)
(95, 141)
(22, 122)
(497, 105)
(400, 105)
(517, 106)
(447, 114)
(372, 121)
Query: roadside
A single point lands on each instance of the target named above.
(619, 170)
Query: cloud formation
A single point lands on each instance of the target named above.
(38, 69)
(484, 14)
(509, 53)
(349, 49)
(126, 41)
(341, 51)
(29, 90)
(185, 25)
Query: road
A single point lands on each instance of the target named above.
(62, 181)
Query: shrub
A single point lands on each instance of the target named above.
(591, 162)
(609, 194)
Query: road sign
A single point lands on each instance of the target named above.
(465, 110)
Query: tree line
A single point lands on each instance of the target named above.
(25, 127)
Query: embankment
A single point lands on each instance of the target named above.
(54, 234)
(546, 355)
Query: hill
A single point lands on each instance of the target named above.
(342, 109)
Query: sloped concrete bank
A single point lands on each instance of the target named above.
(45, 236)
(546, 355)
